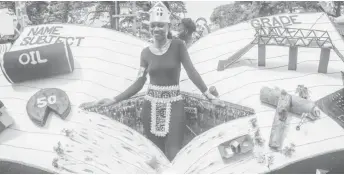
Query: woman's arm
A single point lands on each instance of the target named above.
(190, 69)
(192, 72)
(138, 84)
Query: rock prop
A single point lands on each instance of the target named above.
(46, 101)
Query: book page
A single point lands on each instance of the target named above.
(83, 142)
(208, 142)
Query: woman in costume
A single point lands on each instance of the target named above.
(163, 109)
(186, 28)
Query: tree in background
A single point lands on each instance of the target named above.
(229, 14)
(44, 12)
(7, 5)
(178, 11)
(90, 12)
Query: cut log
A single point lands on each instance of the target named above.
(280, 121)
(298, 104)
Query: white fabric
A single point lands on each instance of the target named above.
(6, 23)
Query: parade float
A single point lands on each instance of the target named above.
(279, 77)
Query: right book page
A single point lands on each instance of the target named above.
(203, 153)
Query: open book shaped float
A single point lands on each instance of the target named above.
(86, 142)
(201, 114)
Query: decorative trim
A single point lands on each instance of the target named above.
(163, 100)
(163, 88)
(162, 119)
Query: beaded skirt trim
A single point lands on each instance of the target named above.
(161, 98)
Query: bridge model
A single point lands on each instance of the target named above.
(287, 37)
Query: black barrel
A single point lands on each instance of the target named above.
(37, 63)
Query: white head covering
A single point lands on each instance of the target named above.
(159, 13)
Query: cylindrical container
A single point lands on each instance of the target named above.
(36, 63)
(298, 104)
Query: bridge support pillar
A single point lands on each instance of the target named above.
(292, 65)
(324, 59)
(261, 54)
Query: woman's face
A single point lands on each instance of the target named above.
(181, 28)
(159, 30)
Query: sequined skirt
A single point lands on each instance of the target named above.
(161, 99)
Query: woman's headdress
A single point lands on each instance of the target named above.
(159, 13)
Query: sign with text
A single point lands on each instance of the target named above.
(49, 34)
(38, 62)
(275, 21)
(46, 101)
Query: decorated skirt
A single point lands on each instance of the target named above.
(161, 98)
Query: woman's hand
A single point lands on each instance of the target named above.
(218, 102)
(209, 95)
(101, 103)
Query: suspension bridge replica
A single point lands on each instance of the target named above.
(287, 37)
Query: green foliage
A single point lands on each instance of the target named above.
(178, 11)
(229, 14)
(7, 4)
(90, 12)
(41, 12)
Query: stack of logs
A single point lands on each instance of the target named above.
(285, 103)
